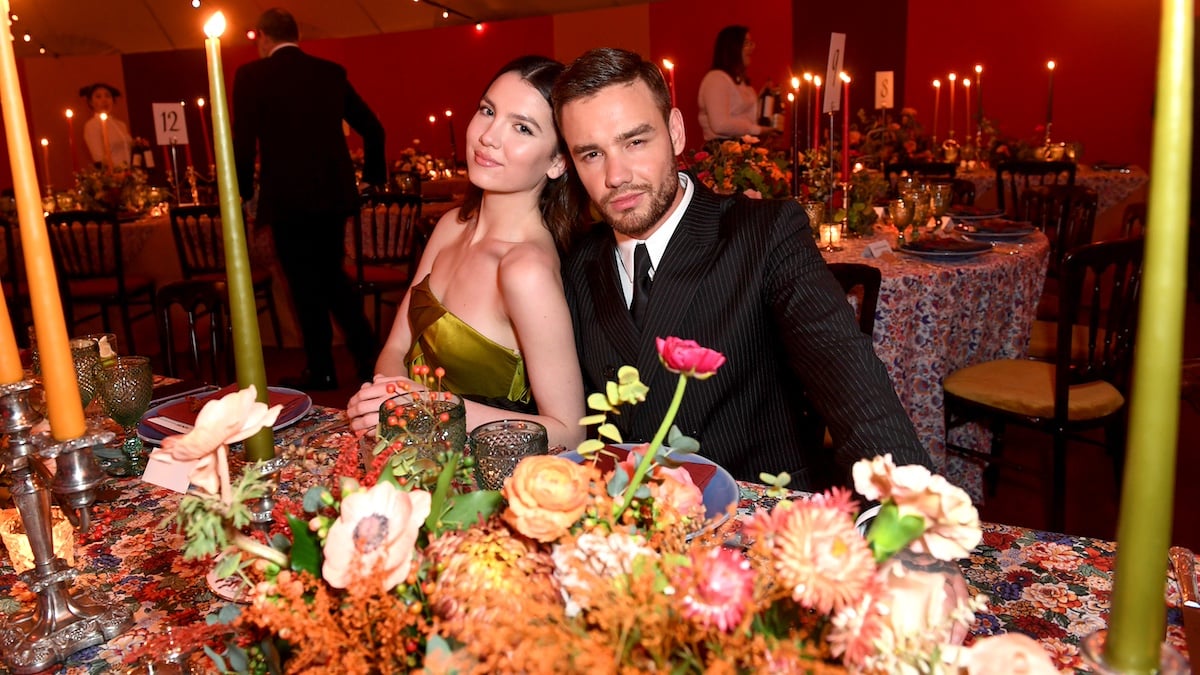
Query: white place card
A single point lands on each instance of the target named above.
(877, 249)
(168, 474)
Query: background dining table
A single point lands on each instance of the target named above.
(938, 315)
(1053, 587)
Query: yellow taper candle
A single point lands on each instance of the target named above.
(58, 371)
(247, 345)
(1137, 624)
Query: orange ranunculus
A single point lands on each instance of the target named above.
(546, 496)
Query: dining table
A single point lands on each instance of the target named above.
(938, 314)
(1053, 587)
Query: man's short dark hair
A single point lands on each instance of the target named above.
(279, 25)
(600, 68)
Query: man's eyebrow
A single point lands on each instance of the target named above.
(639, 130)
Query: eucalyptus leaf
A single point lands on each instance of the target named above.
(643, 492)
(612, 394)
(239, 661)
(592, 419)
(618, 482)
(314, 498)
(597, 401)
(610, 432)
(216, 658)
(229, 613)
(590, 447)
(228, 565)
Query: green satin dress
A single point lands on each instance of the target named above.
(477, 368)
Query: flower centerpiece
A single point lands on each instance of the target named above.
(576, 568)
(117, 188)
(885, 140)
(742, 166)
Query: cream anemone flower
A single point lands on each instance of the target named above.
(221, 422)
(375, 533)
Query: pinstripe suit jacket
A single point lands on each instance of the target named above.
(743, 277)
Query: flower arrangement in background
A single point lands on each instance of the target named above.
(742, 167)
(881, 139)
(117, 188)
(412, 161)
(587, 570)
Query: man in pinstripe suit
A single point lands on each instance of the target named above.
(740, 276)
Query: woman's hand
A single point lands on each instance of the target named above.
(363, 408)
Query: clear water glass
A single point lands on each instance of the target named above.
(85, 354)
(500, 446)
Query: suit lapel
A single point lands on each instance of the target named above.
(683, 267)
(615, 320)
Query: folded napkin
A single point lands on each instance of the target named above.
(701, 473)
(186, 409)
(946, 245)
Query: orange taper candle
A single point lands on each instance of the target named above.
(54, 353)
(10, 357)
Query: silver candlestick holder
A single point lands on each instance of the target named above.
(64, 620)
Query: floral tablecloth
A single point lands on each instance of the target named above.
(1053, 587)
(936, 317)
(1112, 187)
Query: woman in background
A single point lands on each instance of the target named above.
(728, 104)
(488, 305)
(117, 151)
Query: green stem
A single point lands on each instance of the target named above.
(432, 523)
(255, 548)
(643, 466)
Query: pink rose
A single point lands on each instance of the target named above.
(688, 358)
(546, 496)
(1011, 653)
(701, 156)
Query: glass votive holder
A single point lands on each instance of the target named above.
(430, 422)
(500, 446)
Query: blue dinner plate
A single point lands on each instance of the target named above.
(290, 415)
(721, 491)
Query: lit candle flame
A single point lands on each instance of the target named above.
(103, 117)
(215, 26)
(200, 102)
(791, 97)
(808, 77)
(978, 69)
(668, 64)
(795, 83)
(937, 83)
(817, 80)
(952, 77)
(844, 76)
(966, 83)
(45, 142)
(70, 113)
(1050, 65)
(449, 112)
(432, 119)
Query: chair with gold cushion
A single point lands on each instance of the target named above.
(388, 245)
(1101, 286)
(91, 268)
(1067, 216)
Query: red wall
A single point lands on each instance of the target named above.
(1105, 51)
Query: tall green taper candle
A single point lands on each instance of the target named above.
(247, 345)
(1137, 623)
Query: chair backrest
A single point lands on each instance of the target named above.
(86, 244)
(407, 182)
(918, 170)
(198, 239)
(1133, 220)
(386, 230)
(1065, 214)
(1099, 294)
(962, 192)
(203, 305)
(856, 276)
(1013, 178)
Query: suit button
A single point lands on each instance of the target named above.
(610, 373)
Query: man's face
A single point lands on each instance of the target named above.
(624, 153)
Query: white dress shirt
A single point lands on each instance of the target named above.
(656, 243)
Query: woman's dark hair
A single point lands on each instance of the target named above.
(558, 202)
(727, 52)
(87, 91)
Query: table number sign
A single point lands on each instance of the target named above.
(170, 125)
(833, 85)
(885, 88)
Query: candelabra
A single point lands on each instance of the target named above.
(191, 179)
(64, 620)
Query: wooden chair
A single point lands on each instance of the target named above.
(1014, 178)
(1133, 220)
(201, 247)
(1067, 216)
(16, 293)
(1101, 287)
(962, 192)
(87, 251)
(388, 247)
(202, 303)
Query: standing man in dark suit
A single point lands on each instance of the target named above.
(739, 276)
(292, 105)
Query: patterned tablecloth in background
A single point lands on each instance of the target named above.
(1112, 187)
(936, 317)
(1053, 587)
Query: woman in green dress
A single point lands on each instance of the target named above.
(488, 305)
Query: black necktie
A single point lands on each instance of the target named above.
(641, 284)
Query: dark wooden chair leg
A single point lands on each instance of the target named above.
(1057, 504)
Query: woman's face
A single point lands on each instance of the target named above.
(101, 100)
(747, 50)
(512, 144)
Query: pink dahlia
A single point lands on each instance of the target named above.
(817, 553)
(717, 589)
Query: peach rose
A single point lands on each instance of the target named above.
(1011, 653)
(677, 490)
(546, 496)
